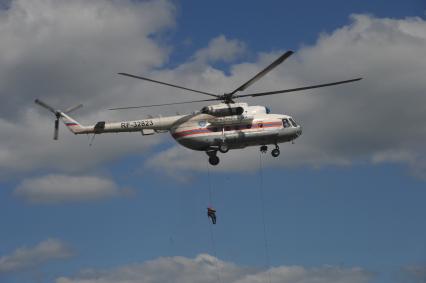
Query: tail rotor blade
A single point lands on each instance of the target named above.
(73, 108)
(56, 130)
(48, 107)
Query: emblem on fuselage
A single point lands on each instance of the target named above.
(202, 123)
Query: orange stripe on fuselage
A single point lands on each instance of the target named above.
(200, 131)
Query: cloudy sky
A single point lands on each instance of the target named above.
(344, 204)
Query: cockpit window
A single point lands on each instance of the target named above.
(286, 124)
(293, 122)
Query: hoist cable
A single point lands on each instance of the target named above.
(262, 200)
(210, 185)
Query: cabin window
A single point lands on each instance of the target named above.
(260, 125)
(293, 122)
(286, 124)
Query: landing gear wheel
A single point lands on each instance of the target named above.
(223, 148)
(263, 149)
(275, 152)
(214, 160)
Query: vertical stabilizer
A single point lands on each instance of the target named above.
(74, 126)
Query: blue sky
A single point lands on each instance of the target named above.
(355, 200)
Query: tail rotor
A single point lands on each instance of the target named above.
(58, 115)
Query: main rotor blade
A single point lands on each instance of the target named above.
(163, 83)
(48, 107)
(263, 72)
(173, 103)
(296, 89)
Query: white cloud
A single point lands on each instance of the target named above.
(27, 258)
(221, 48)
(66, 51)
(205, 268)
(63, 188)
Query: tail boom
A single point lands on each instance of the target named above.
(157, 124)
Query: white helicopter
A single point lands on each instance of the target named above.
(219, 127)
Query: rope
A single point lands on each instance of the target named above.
(210, 185)
(267, 257)
(212, 241)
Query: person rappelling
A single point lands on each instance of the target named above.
(211, 213)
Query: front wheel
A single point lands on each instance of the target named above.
(223, 148)
(214, 160)
(275, 152)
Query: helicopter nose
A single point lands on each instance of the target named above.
(299, 131)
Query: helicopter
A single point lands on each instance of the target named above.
(215, 128)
